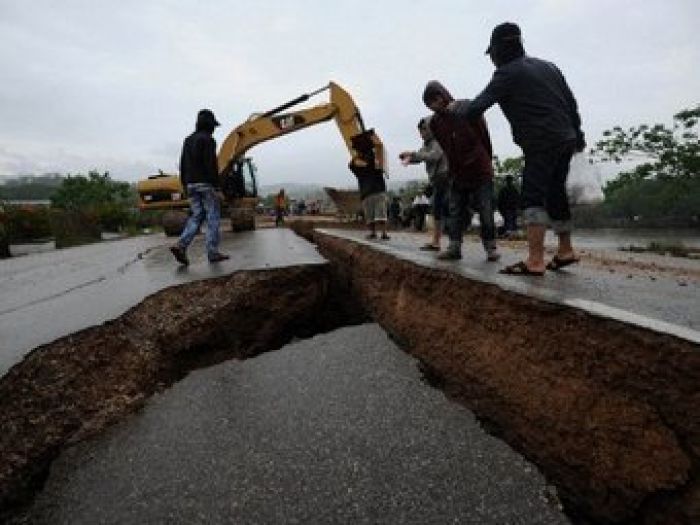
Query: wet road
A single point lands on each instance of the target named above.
(667, 303)
(48, 295)
(335, 429)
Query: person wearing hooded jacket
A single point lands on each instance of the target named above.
(199, 175)
(436, 165)
(467, 146)
(544, 118)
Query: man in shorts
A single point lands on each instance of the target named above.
(370, 179)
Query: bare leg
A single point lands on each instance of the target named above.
(436, 234)
(566, 250)
(535, 244)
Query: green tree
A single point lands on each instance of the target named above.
(661, 152)
(510, 166)
(97, 195)
(663, 187)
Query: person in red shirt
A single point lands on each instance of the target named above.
(467, 146)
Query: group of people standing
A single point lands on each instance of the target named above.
(457, 153)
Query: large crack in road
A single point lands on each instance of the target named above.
(71, 389)
(608, 412)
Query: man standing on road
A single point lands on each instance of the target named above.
(436, 166)
(467, 146)
(545, 122)
(508, 204)
(199, 174)
(370, 179)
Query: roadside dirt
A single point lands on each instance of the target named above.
(627, 263)
(607, 411)
(73, 388)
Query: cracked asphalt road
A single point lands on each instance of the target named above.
(335, 429)
(49, 295)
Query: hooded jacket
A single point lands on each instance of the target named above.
(432, 155)
(198, 159)
(467, 144)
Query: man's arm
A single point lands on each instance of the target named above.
(495, 91)
(210, 162)
(574, 114)
(183, 178)
(429, 153)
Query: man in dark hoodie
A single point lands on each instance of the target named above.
(467, 146)
(545, 122)
(199, 174)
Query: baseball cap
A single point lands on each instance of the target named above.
(502, 33)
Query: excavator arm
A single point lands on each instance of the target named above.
(367, 156)
(276, 122)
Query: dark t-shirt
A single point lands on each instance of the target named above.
(370, 182)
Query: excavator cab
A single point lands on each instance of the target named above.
(239, 179)
(240, 188)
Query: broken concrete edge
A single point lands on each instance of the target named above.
(522, 287)
(73, 388)
(607, 410)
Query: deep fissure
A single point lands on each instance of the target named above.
(107, 372)
(200, 324)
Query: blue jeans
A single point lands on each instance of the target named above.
(480, 198)
(204, 204)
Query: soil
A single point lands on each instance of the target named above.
(73, 388)
(609, 412)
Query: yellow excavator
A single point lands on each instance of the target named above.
(238, 173)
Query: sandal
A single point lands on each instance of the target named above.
(557, 262)
(519, 268)
(429, 248)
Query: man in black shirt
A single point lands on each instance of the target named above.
(545, 122)
(370, 179)
(199, 174)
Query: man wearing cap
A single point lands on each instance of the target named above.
(199, 174)
(545, 123)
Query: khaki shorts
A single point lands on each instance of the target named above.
(374, 207)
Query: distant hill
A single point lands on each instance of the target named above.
(295, 190)
(300, 190)
(29, 187)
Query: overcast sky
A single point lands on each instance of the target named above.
(116, 85)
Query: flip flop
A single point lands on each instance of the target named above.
(429, 248)
(519, 268)
(557, 263)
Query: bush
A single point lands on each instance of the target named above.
(74, 227)
(27, 223)
(673, 201)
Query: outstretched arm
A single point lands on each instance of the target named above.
(492, 93)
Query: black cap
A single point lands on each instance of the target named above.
(502, 33)
(206, 116)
